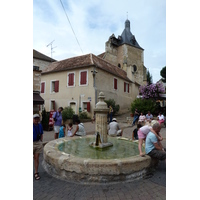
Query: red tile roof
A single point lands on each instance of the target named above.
(86, 61)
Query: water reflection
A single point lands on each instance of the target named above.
(80, 148)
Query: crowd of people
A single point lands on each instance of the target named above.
(147, 131)
(141, 118)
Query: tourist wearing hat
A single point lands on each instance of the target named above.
(37, 143)
(57, 120)
(113, 128)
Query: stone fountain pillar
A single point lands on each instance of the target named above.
(101, 111)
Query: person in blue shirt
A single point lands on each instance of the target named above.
(37, 143)
(136, 116)
(62, 131)
(153, 146)
(57, 120)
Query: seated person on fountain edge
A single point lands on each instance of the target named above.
(113, 128)
(149, 117)
(142, 118)
(80, 130)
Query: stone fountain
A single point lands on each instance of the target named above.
(95, 158)
(101, 111)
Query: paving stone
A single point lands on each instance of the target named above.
(151, 188)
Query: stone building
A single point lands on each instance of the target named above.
(126, 53)
(40, 62)
(37, 99)
(76, 82)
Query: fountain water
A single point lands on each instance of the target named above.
(98, 158)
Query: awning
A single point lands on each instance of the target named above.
(37, 99)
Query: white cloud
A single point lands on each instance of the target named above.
(94, 21)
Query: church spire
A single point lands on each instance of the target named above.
(127, 25)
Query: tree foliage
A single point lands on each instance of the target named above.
(163, 74)
(67, 113)
(144, 105)
(45, 119)
(111, 102)
(152, 91)
(149, 78)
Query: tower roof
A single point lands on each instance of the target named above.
(126, 37)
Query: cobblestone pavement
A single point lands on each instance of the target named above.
(152, 186)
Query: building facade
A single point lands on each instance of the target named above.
(40, 62)
(37, 99)
(77, 81)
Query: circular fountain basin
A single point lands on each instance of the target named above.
(72, 159)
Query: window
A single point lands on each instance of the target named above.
(86, 106)
(133, 68)
(42, 87)
(52, 105)
(83, 77)
(115, 83)
(54, 86)
(126, 87)
(70, 78)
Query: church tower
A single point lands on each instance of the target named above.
(126, 53)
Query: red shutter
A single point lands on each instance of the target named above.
(128, 88)
(71, 79)
(83, 78)
(56, 86)
(88, 106)
(42, 87)
(115, 83)
(124, 87)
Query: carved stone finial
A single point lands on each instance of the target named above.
(101, 96)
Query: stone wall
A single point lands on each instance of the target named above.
(126, 56)
(41, 63)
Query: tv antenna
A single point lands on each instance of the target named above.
(51, 47)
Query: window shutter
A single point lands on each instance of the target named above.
(124, 87)
(83, 78)
(72, 76)
(42, 87)
(88, 106)
(56, 86)
(71, 79)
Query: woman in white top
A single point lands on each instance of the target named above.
(142, 118)
(161, 118)
(80, 130)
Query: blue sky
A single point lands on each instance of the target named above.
(94, 22)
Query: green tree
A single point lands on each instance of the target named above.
(149, 78)
(111, 102)
(163, 74)
(67, 113)
(144, 105)
(45, 119)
